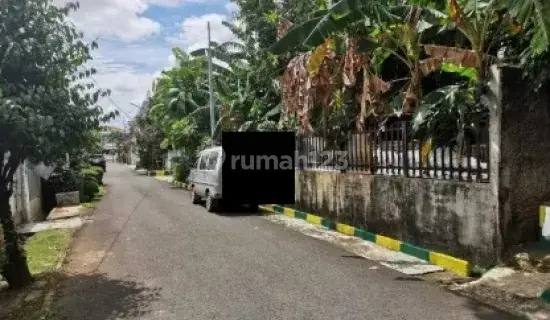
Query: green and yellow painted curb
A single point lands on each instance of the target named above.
(543, 243)
(543, 209)
(458, 266)
(158, 173)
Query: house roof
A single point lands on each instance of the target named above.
(108, 127)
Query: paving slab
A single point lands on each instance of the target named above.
(64, 212)
(71, 223)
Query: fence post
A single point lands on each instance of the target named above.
(344, 169)
(371, 135)
(405, 139)
(299, 151)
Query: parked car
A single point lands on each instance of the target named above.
(205, 180)
(98, 160)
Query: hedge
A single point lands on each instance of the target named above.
(89, 189)
(95, 172)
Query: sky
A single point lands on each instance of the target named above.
(136, 38)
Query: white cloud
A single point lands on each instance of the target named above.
(127, 85)
(232, 7)
(128, 59)
(175, 3)
(171, 60)
(193, 32)
(114, 19)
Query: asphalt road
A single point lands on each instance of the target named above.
(151, 254)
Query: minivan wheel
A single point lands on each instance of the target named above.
(210, 204)
(195, 199)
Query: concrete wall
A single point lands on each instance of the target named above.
(26, 204)
(524, 156)
(34, 195)
(478, 222)
(16, 200)
(451, 217)
(168, 159)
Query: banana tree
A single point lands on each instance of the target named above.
(242, 109)
(393, 30)
(180, 93)
(484, 23)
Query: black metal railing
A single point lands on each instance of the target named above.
(391, 149)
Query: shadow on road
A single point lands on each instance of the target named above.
(486, 312)
(354, 257)
(408, 278)
(237, 212)
(97, 297)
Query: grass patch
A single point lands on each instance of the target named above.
(44, 249)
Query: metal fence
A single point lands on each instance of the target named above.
(391, 149)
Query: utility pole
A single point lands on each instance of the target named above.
(212, 118)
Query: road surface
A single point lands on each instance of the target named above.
(151, 254)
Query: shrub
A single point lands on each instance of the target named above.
(100, 172)
(89, 188)
(93, 172)
(1, 252)
(63, 180)
(85, 198)
(182, 171)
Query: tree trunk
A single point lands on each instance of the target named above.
(15, 269)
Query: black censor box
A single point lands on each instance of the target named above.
(258, 167)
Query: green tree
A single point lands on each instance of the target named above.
(45, 99)
(180, 99)
(148, 140)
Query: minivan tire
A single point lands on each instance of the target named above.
(195, 199)
(210, 204)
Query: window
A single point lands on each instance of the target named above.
(203, 162)
(212, 161)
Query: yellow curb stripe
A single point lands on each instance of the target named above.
(289, 212)
(458, 266)
(314, 219)
(268, 207)
(345, 229)
(389, 243)
(542, 215)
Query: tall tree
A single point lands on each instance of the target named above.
(45, 99)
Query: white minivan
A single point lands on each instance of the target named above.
(205, 180)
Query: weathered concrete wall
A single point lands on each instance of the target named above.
(26, 202)
(451, 217)
(17, 200)
(524, 160)
(32, 194)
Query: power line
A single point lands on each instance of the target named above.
(112, 101)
